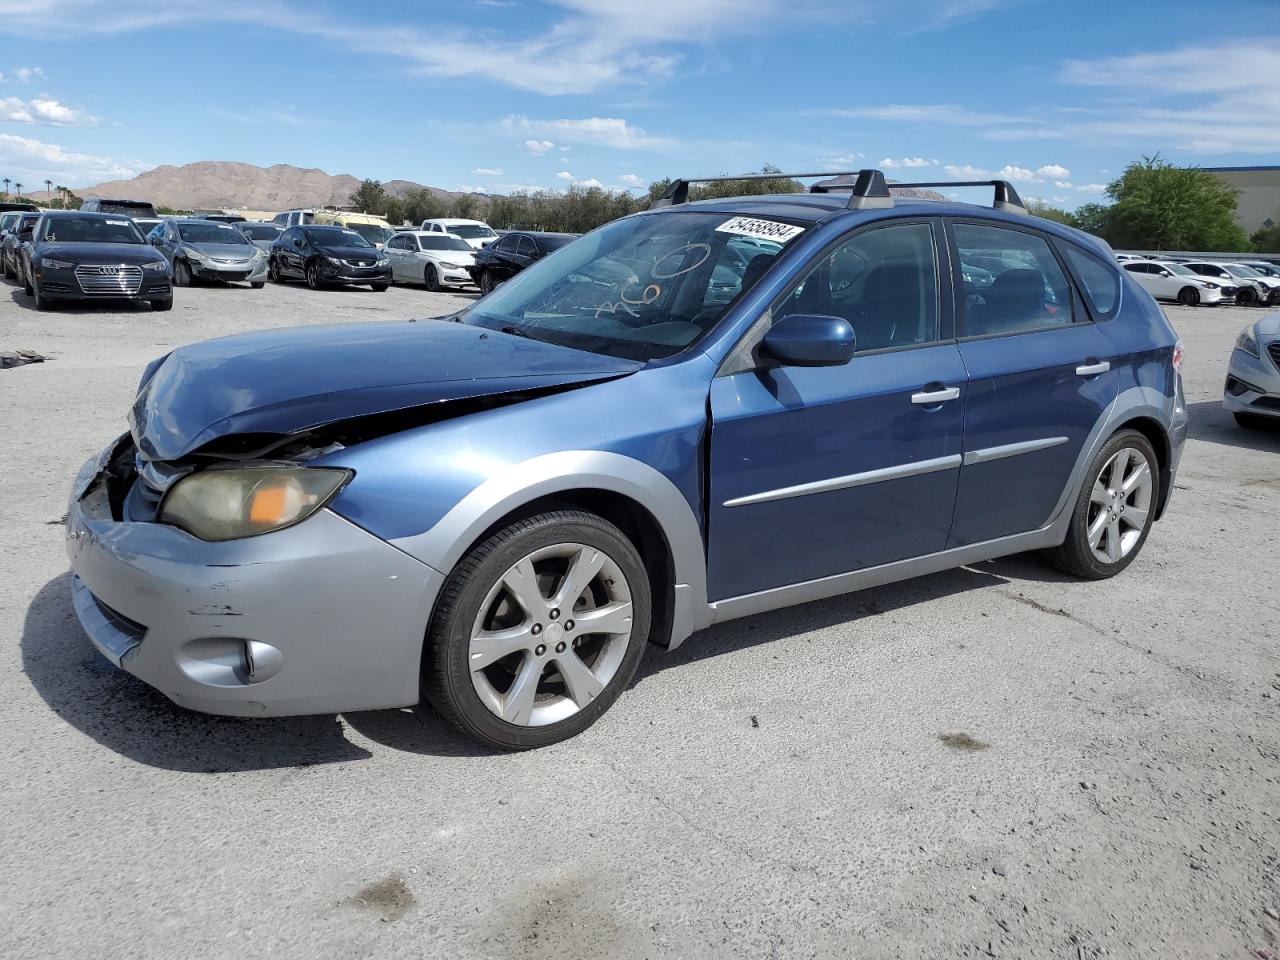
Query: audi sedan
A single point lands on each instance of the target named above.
(75, 255)
(501, 511)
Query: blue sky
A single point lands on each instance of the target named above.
(501, 95)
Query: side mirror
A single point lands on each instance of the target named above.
(810, 340)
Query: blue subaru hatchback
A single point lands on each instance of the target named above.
(692, 414)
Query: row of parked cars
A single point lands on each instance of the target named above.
(1192, 282)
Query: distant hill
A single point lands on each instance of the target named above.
(227, 184)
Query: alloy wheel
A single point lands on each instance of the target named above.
(551, 634)
(1120, 505)
(431, 279)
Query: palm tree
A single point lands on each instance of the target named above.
(48, 186)
(7, 181)
(62, 192)
(17, 187)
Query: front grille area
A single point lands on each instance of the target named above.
(1273, 349)
(109, 281)
(240, 260)
(362, 264)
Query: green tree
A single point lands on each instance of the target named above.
(1038, 208)
(1266, 239)
(1159, 206)
(465, 206)
(369, 197)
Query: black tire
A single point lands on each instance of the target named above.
(1246, 297)
(313, 276)
(42, 302)
(1074, 556)
(26, 286)
(273, 271)
(8, 273)
(162, 305)
(1253, 421)
(181, 274)
(446, 676)
(379, 287)
(486, 282)
(431, 278)
(257, 284)
(1189, 297)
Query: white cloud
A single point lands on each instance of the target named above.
(1011, 172)
(538, 146)
(1063, 184)
(966, 171)
(595, 131)
(488, 171)
(467, 188)
(1092, 188)
(27, 74)
(907, 163)
(44, 111)
(588, 183)
(924, 113)
(1054, 170)
(26, 159)
(631, 180)
(564, 175)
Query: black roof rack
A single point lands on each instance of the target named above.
(869, 190)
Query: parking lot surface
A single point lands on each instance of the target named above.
(997, 760)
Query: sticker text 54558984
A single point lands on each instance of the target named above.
(760, 229)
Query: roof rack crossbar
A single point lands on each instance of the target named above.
(869, 190)
(1006, 197)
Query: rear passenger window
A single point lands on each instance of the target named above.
(884, 281)
(1100, 283)
(1018, 283)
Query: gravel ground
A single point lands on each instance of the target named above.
(991, 761)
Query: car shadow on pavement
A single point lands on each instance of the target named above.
(847, 609)
(1209, 421)
(20, 299)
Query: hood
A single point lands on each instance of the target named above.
(464, 257)
(111, 253)
(226, 251)
(281, 382)
(351, 253)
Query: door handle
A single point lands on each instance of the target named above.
(1093, 369)
(930, 398)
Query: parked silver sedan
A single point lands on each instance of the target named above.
(435, 259)
(208, 250)
(1252, 391)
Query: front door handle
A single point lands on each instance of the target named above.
(930, 398)
(1092, 369)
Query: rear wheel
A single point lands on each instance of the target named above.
(431, 278)
(1189, 296)
(1114, 510)
(538, 630)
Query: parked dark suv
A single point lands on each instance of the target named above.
(511, 253)
(76, 255)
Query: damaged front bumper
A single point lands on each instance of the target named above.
(317, 618)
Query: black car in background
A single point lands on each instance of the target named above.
(17, 233)
(325, 256)
(511, 253)
(130, 208)
(74, 255)
(9, 206)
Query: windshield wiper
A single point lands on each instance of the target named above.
(517, 332)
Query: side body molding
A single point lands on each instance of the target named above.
(447, 542)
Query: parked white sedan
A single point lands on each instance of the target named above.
(437, 260)
(1166, 280)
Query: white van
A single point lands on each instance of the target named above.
(293, 218)
(477, 233)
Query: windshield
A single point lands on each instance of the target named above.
(336, 237)
(210, 231)
(1266, 269)
(470, 231)
(372, 232)
(260, 231)
(90, 230)
(1237, 270)
(133, 208)
(642, 288)
(437, 242)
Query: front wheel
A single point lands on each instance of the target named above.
(162, 305)
(379, 287)
(313, 276)
(43, 302)
(431, 278)
(1114, 510)
(181, 274)
(538, 630)
(1253, 421)
(1189, 296)
(1246, 297)
(257, 284)
(486, 282)
(273, 271)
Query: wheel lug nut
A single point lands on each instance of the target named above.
(540, 649)
(537, 629)
(560, 647)
(554, 614)
(568, 624)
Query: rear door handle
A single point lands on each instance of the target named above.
(930, 398)
(1092, 369)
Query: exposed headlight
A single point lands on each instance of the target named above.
(335, 261)
(453, 266)
(192, 254)
(247, 501)
(258, 254)
(55, 264)
(159, 266)
(1211, 285)
(1247, 343)
(383, 261)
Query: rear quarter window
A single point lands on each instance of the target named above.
(1099, 280)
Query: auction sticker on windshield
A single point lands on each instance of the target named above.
(760, 229)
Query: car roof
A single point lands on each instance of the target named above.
(95, 214)
(454, 220)
(426, 233)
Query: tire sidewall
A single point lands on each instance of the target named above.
(449, 638)
(1189, 296)
(1079, 527)
(431, 280)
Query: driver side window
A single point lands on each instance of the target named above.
(884, 281)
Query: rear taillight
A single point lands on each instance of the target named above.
(1177, 356)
